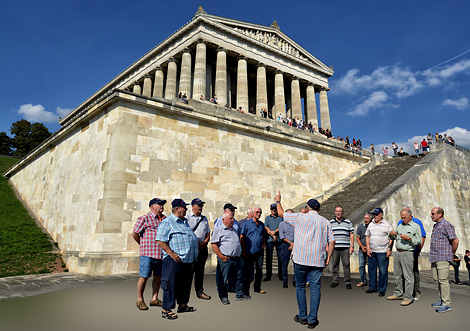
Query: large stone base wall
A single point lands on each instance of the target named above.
(89, 184)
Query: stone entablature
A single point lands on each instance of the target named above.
(88, 185)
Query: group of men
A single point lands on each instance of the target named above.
(175, 249)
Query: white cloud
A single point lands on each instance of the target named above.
(461, 136)
(375, 100)
(460, 104)
(36, 113)
(62, 112)
(435, 77)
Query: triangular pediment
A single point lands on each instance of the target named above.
(270, 36)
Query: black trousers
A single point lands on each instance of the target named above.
(199, 267)
(176, 282)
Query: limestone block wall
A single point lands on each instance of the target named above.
(89, 185)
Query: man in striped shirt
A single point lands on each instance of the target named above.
(343, 231)
(312, 237)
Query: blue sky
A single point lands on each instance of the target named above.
(402, 68)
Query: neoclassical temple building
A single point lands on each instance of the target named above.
(134, 139)
(242, 64)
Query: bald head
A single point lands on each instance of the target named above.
(227, 219)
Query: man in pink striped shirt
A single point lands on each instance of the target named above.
(313, 235)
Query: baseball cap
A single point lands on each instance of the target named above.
(157, 200)
(178, 203)
(312, 203)
(377, 211)
(197, 201)
(273, 206)
(229, 206)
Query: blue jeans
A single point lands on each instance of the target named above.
(380, 261)
(362, 266)
(301, 272)
(285, 261)
(228, 276)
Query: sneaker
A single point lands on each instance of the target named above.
(284, 285)
(443, 309)
(417, 296)
(437, 304)
(406, 302)
(394, 297)
(243, 297)
(333, 285)
(300, 320)
(261, 291)
(225, 301)
(348, 286)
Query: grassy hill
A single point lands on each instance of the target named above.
(24, 248)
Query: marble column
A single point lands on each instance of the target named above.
(170, 89)
(296, 100)
(311, 113)
(136, 88)
(147, 90)
(242, 84)
(185, 75)
(261, 89)
(199, 85)
(279, 98)
(324, 111)
(221, 76)
(158, 83)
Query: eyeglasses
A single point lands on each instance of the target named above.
(434, 213)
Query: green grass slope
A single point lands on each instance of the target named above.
(24, 248)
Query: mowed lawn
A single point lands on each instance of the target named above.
(24, 248)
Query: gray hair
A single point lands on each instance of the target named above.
(258, 208)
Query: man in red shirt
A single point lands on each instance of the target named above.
(151, 255)
(424, 146)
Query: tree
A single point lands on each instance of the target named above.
(27, 136)
(5, 144)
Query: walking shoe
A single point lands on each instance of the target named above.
(406, 302)
(437, 304)
(260, 291)
(333, 285)
(142, 306)
(416, 297)
(225, 301)
(203, 296)
(348, 286)
(313, 325)
(156, 303)
(371, 291)
(267, 279)
(300, 320)
(394, 297)
(243, 297)
(381, 294)
(443, 309)
(284, 285)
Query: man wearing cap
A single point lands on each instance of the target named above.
(151, 255)
(180, 246)
(252, 238)
(200, 226)
(379, 248)
(228, 207)
(226, 245)
(344, 246)
(313, 235)
(407, 236)
(271, 225)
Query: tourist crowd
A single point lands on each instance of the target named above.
(174, 250)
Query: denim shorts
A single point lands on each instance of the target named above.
(149, 264)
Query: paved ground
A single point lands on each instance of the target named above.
(80, 302)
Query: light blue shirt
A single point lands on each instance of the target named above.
(227, 239)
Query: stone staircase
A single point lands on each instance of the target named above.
(356, 194)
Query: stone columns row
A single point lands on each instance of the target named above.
(199, 84)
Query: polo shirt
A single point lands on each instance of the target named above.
(228, 240)
(342, 232)
(272, 223)
(379, 236)
(361, 233)
(253, 236)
